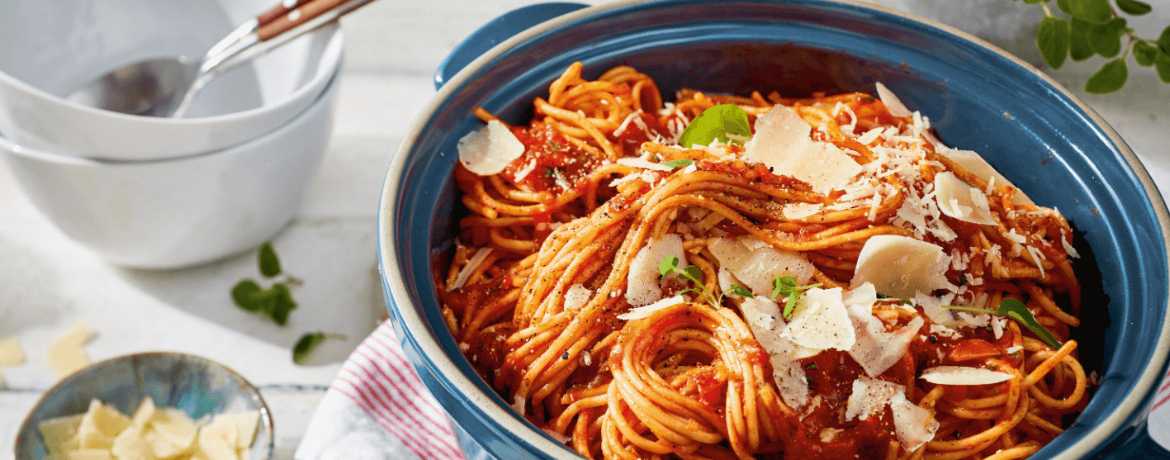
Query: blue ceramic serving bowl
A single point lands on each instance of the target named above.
(978, 97)
(195, 385)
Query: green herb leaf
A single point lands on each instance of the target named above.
(1144, 53)
(1078, 38)
(1064, 6)
(679, 163)
(1162, 63)
(667, 266)
(269, 263)
(1111, 77)
(1164, 40)
(1134, 7)
(1090, 11)
(1106, 39)
(788, 287)
(716, 123)
(282, 303)
(309, 342)
(1014, 309)
(693, 273)
(248, 295)
(740, 291)
(1053, 41)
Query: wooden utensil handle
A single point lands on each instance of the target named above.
(277, 11)
(297, 16)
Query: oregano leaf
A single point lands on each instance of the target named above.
(1164, 40)
(1111, 77)
(1162, 64)
(1052, 38)
(679, 163)
(1064, 6)
(1134, 7)
(1106, 39)
(1090, 11)
(309, 342)
(1014, 309)
(1144, 53)
(667, 265)
(716, 123)
(1078, 40)
(248, 295)
(740, 291)
(269, 263)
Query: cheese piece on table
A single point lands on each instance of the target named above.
(171, 433)
(100, 426)
(60, 434)
(65, 355)
(10, 352)
(246, 423)
(143, 414)
(132, 445)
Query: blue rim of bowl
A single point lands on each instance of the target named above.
(17, 149)
(265, 412)
(435, 360)
(334, 28)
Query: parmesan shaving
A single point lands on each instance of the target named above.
(958, 375)
(642, 280)
(647, 310)
(489, 150)
(473, 263)
(891, 101)
(577, 297)
(644, 164)
(782, 142)
(870, 397)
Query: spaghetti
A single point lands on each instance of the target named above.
(629, 294)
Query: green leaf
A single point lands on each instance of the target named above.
(269, 263)
(787, 286)
(1052, 38)
(1090, 11)
(1111, 77)
(1014, 309)
(248, 295)
(1144, 53)
(1078, 38)
(1134, 7)
(1064, 6)
(716, 123)
(679, 163)
(282, 303)
(1033, 2)
(693, 273)
(1106, 39)
(740, 291)
(1162, 63)
(309, 342)
(1164, 40)
(668, 265)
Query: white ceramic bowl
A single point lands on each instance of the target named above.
(51, 48)
(185, 211)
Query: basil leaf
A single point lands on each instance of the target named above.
(248, 295)
(1090, 11)
(1144, 53)
(1014, 309)
(1078, 38)
(1106, 39)
(1134, 7)
(1111, 77)
(309, 342)
(716, 123)
(1162, 63)
(1052, 39)
(269, 263)
(679, 163)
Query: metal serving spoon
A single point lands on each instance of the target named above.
(164, 87)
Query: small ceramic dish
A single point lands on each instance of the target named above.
(53, 48)
(183, 211)
(197, 386)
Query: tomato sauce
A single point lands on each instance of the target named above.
(551, 161)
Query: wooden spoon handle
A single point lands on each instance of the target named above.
(277, 11)
(305, 13)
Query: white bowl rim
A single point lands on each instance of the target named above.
(333, 29)
(508, 420)
(79, 161)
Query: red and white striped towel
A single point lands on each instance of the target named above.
(378, 408)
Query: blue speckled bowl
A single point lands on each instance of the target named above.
(195, 385)
(978, 97)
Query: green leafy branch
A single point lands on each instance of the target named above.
(274, 302)
(1016, 310)
(1093, 28)
(788, 287)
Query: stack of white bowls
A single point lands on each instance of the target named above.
(161, 192)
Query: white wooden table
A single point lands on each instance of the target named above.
(47, 282)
